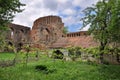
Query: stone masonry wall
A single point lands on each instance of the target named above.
(46, 30)
(18, 35)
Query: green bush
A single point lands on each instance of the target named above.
(74, 52)
(57, 54)
(94, 51)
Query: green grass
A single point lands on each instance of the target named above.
(7, 56)
(61, 70)
(10, 56)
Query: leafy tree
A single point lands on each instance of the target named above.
(104, 21)
(8, 9)
(114, 26)
(65, 30)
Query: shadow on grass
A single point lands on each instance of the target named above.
(44, 69)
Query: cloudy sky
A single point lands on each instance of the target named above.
(69, 10)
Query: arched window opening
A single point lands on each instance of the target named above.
(10, 43)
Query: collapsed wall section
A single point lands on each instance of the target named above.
(18, 35)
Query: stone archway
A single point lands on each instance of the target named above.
(10, 43)
(46, 34)
(20, 45)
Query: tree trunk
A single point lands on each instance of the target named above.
(102, 47)
(101, 54)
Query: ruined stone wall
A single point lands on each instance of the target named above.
(77, 34)
(18, 35)
(75, 39)
(47, 30)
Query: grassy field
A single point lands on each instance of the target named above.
(7, 56)
(59, 70)
(11, 56)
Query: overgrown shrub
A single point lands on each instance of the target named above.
(57, 54)
(93, 51)
(74, 52)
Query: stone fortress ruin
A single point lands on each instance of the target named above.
(18, 35)
(47, 32)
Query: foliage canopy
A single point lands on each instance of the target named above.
(104, 19)
(8, 9)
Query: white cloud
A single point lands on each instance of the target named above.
(63, 1)
(69, 10)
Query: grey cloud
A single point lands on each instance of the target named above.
(66, 5)
(50, 4)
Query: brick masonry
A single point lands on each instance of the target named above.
(18, 35)
(47, 32)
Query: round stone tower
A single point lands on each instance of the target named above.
(47, 30)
